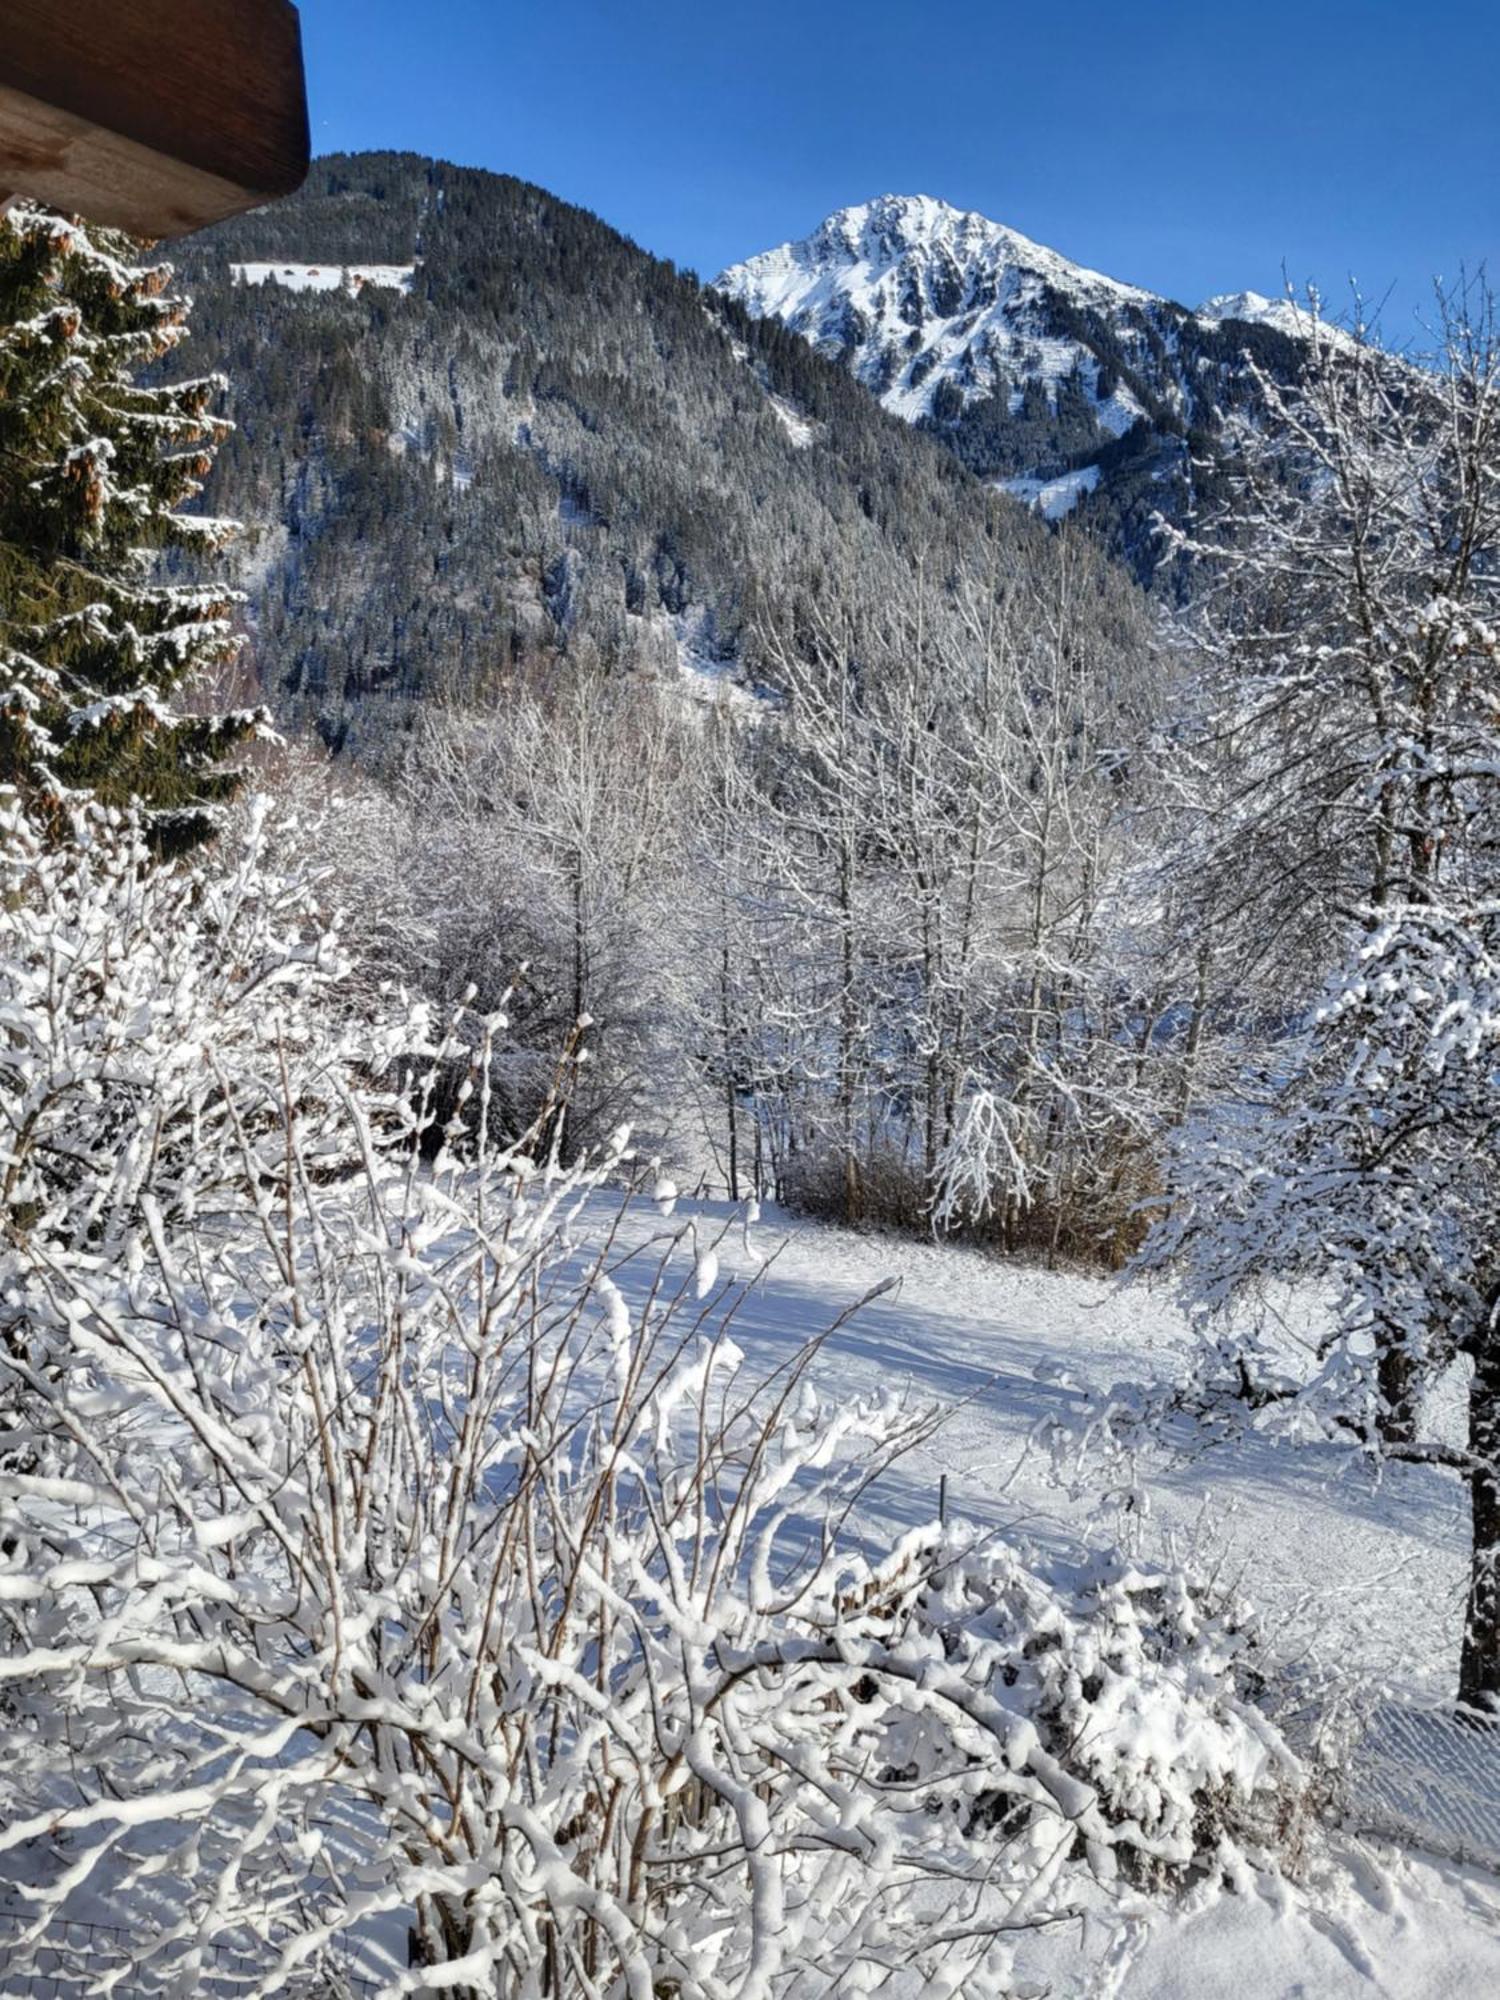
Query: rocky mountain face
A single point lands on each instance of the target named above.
(1071, 390)
(479, 432)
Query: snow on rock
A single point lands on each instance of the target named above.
(922, 292)
(1287, 315)
(352, 278)
(797, 427)
(948, 316)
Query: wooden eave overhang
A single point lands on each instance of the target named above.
(156, 116)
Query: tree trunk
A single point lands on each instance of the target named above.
(732, 1119)
(1479, 1667)
(1396, 1379)
(731, 1094)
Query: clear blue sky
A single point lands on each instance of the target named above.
(1193, 146)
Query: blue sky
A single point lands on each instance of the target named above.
(1192, 148)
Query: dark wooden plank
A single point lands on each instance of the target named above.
(156, 115)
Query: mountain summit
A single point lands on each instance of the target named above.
(914, 292)
(1066, 387)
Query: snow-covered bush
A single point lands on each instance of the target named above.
(1137, 1686)
(385, 1544)
(144, 1009)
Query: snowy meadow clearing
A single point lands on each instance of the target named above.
(1371, 1567)
(1361, 1572)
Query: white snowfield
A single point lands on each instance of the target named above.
(798, 428)
(351, 278)
(1369, 1574)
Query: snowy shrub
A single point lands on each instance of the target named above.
(1137, 1686)
(992, 1180)
(397, 1566)
(145, 1009)
(885, 1188)
(385, 1546)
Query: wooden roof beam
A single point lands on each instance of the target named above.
(152, 115)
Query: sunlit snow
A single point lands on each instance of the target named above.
(1056, 498)
(326, 277)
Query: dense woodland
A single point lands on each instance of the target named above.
(555, 446)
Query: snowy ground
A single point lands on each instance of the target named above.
(1378, 1571)
(1371, 1575)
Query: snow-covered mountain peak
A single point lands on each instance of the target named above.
(882, 231)
(1287, 315)
(1257, 308)
(909, 235)
(1068, 389)
(914, 292)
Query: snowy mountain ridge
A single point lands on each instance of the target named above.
(1043, 375)
(923, 292)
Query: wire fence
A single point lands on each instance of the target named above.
(1427, 1773)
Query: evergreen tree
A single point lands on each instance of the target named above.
(102, 619)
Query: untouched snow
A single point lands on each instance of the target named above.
(326, 277)
(1372, 1925)
(797, 427)
(1007, 1347)
(1372, 1574)
(1053, 499)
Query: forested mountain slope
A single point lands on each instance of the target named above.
(477, 429)
(1073, 389)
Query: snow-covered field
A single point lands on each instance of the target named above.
(1053, 499)
(1369, 1576)
(326, 277)
(1378, 1571)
